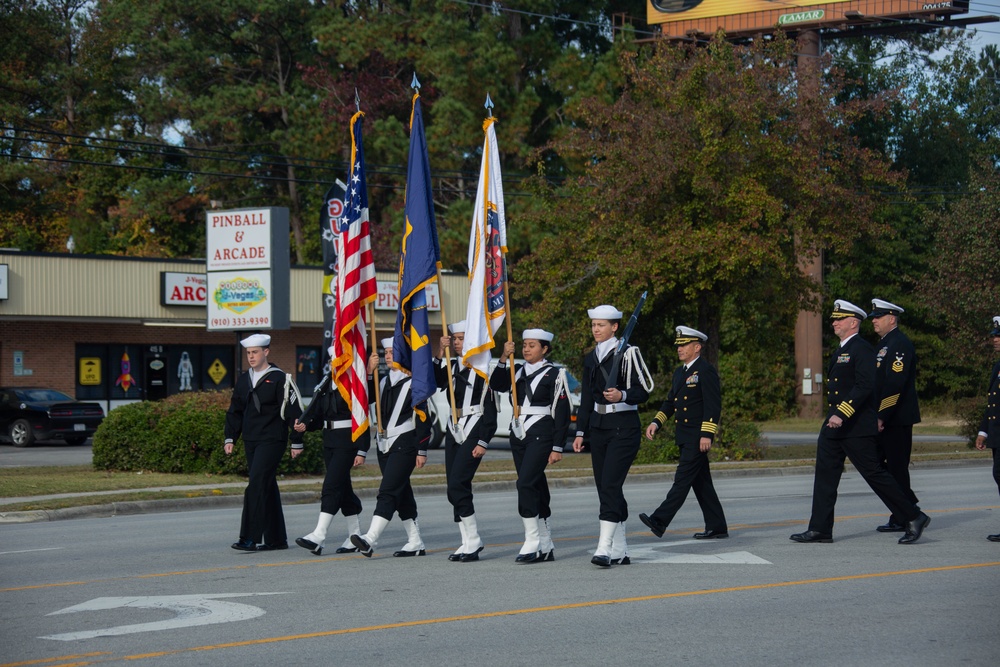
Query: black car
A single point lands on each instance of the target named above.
(32, 413)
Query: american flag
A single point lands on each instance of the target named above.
(356, 288)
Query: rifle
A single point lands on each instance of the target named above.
(318, 393)
(616, 364)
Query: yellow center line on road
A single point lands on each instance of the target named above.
(46, 661)
(328, 559)
(532, 610)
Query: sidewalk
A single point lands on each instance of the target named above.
(721, 469)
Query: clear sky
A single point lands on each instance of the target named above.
(986, 33)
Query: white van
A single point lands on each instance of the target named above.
(439, 406)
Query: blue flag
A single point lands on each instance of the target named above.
(419, 261)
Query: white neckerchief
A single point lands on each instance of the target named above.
(531, 368)
(255, 377)
(396, 376)
(687, 367)
(605, 347)
(844, 342)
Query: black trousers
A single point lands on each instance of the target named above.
(531, 455)
(612, 452)
(996, 467)
(263, 521)
(895, 444)
(338, 493)
(460, 467)
(395, 495)
(693, 473)
(863, 452)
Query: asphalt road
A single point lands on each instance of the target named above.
(166, 589)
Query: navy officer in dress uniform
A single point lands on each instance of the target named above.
(610, 417)
(896, 391)
(477, 423)
(695, 402)
(340, 454)
(850, 430)
(401, 448)
(537, 439)
(989, 428)
(263, 410)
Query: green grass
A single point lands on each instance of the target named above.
(930, 425)
(132, 486)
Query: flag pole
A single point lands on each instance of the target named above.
(415, 84)
(506, 300)
(374, 347)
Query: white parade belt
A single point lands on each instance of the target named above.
(602, 409)
(340, 423)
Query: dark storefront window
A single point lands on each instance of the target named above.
(307, 368)
(124, 372)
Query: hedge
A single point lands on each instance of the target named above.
(736, 441)
(184, 434)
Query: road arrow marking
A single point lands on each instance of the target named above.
(190, 610)
(647, 554)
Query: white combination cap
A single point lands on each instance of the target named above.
(536, 334)
(256, 340)
(843, 309)
(880, 308)
(687, 335)
(604, 312)
(457, 327)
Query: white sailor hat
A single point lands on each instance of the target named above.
(330, 351)
(880, 308)
(387, 343)
(456, 327)
(843, 309)
(256, 340)
(604, 312)
(536, 334)
(996, 326)
(687, 335)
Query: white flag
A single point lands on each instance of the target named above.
(487, 270)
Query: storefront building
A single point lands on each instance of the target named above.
(117, 330)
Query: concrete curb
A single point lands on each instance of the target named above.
(110, 510)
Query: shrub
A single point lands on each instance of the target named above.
(183, 434)
(970, 413)
(736, 441)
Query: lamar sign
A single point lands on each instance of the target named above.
(684, 18)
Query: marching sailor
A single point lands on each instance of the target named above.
(609, 416)
(537, 435)
(695, 402)
(340, 454)
(989, 427)
(402, 448)
(466, 442)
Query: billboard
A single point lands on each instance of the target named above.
(678, 18)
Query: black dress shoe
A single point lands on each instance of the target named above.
(469, 558)
(624, 560)
(811, 536)
(345, 550)
(277, 546)
(711, 535)
(653, 524)
(245, 545)
(891, 527)
(993, 538)
(549, 557)
(454, 558)
(409, 554)
(533, 557)
(313, 548)
(915, 528)
(362, 546)
(601, 561)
